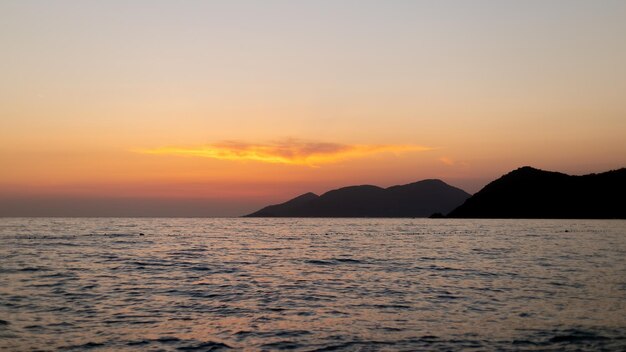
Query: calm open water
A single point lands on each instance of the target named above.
(312, 284)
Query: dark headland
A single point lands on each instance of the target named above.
(525, 193)
(419, 199)
(531, 193)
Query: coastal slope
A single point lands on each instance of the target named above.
(419, 199)
(532, 193)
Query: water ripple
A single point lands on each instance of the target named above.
(312, 285)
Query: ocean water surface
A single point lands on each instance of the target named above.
(312, 284)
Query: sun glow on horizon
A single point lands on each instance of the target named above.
(252, 103)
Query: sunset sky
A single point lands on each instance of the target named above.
(215, 108)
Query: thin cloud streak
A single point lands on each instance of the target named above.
(291, 151)
(447, 161)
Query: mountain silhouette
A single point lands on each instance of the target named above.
(419, 199)
(532, 193)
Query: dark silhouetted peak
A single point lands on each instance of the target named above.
(529, 171)
(428, 182)
(424, 184)
(532, 193)
(304, 198)
(526, 169)
(419, 199)
(353, 191)
(290, 206)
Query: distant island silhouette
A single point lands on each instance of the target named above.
(523, 193)
(532, 193)
(419, 199)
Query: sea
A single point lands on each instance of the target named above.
(244, 284)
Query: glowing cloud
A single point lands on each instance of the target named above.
(446, 160)
(290, 151)
(451, 162)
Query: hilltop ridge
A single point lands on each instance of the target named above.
(418, 199)
(528, 192)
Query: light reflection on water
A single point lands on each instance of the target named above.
(312, 284)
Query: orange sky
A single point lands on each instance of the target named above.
(214, 109)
